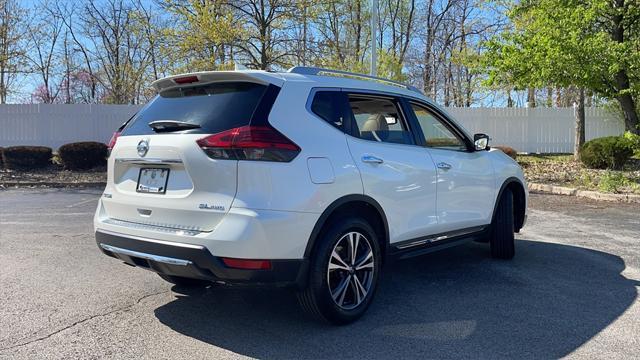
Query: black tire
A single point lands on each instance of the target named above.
(183, 281)
(316, 299)
(502, 229)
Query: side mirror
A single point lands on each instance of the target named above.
(481, 142)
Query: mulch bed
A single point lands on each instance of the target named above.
(53, 176)
(562, 170)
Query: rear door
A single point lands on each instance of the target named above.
(465, 178)
(163, 177)
(395, 172)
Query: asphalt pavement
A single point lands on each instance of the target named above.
(571, 290)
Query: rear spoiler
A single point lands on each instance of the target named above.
(205, 77)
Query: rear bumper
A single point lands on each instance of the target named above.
(195, 261)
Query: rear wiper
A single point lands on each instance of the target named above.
(172, 125)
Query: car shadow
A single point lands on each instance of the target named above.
(458, 303)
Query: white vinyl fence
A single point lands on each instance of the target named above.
(55, 125)
(536, 130)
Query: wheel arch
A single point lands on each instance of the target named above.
(352, 204)
(519, 201)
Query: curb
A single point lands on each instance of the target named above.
(23, 184)
(594, 195)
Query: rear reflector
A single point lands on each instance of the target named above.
(247, 264)
(186, 80)
(261, 143)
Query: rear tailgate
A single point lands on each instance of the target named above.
(198, 193)
(199, 190)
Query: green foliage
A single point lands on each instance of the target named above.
(26, 157)
(203, 30)
(566, 43)
(83, 155)
(614, 182)
(634, 139)
(610, 152)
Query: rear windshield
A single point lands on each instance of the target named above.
(215, 107)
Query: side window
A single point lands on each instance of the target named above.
(379, 119)
(326, 104)
(436, 134)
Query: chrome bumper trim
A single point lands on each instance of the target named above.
(156, 258)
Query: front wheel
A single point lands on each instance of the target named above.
(502, 229)
(344, 272)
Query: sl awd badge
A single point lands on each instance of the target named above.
(211, 207)
(143, 147)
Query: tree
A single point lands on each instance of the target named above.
(117, 46)
(12, 30)
(201, 36)
(266, 23)
(44, 33)
(587, 44)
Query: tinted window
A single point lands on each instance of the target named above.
(215, 107)
(326, 104)
(436, 133)
(379, 119)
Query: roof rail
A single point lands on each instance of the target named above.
(306, 70)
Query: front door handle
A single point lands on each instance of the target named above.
(444, 166)
(372, 159)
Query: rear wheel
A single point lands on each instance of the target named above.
(502, 229)
(343, 272)
(183, 281)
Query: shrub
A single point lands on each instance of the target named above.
(507, 150)
(610, 152)
(26, 157)
(635, 142)
(1, 161)
(83, 155)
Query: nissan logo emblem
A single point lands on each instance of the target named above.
(143, 147)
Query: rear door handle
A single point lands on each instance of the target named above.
(444, 166)
(372, 159)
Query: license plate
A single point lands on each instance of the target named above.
(153, 180)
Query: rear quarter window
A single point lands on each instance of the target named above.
(327, 106)
(215, 107)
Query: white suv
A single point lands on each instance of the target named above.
(311, 179)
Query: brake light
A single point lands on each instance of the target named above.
(247, 264)
(261, 143)
(186, 80)
(114, 139)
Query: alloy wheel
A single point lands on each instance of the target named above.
(350, 271)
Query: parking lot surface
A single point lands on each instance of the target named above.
(572, 290)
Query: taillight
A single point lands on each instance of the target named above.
(114, 139)
(262, 143)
